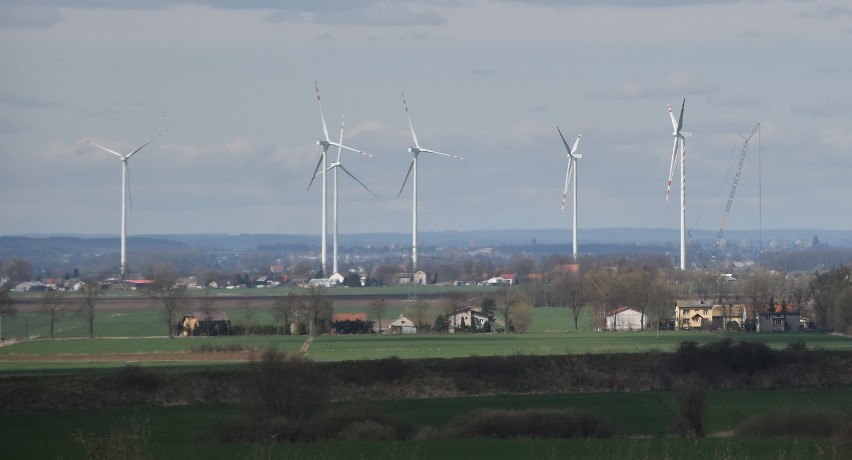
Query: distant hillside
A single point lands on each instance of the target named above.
(469, 238)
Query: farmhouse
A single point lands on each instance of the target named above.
(466, 317)
(625, 319)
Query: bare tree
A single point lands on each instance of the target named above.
(52, 307)
(419, 310)
(507, 298)
(638, 288)
(7, 307)
(453, 300)
(285, 309)
(18, 270)
(168, 294)
(320, 310)
(521, 314)
(384, 274)
(248, 316)
(757, 291)
(205, 307)
(377, 308)
(568, 290)
(89, 291)
(601, 289)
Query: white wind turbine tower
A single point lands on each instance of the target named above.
(573, 156)
(325, 143)
(125, 192)
(338, 165)
(679, 146)
(415, 152)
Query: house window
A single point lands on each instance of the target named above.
(705, 311)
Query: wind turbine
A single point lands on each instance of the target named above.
(679, 146)
(335, 166)
(573, 156)
(325, 143)
(415, 152)
(125, 194)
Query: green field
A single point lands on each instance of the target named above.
(643, 418)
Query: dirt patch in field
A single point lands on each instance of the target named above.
(239, 356)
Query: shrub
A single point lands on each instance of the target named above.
(137, 378)
(531, 423)
(248, 429)
(691, 394)
(130, 440)
(281, 385)
(811, 423)
(356, 421)
(797, 345)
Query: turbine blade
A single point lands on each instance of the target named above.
(680, 120)
(567, 181)
(143, 145)
(316, 170)
(103, 148)
(410, 125)
(671, 169)
(442, 153)
(576, 143)
(671, 115)
(406, 178)
(356, 179)
(341, 146)
(564, 142)
(322, 114)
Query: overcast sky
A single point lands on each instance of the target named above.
(489, 80)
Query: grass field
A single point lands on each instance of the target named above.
(643, 417)
(90, 353)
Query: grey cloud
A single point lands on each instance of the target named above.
(8, 126)
(678, 83)
(627, 3)
(829, 12)
(28, 17)
(745, 101)
(375, 14)
(828, 107)
(24, 102)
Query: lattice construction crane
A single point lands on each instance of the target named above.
(746, 140)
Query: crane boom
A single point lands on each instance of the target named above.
(733, 190)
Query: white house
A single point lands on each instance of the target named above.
(625, 319)
(322, 282)
(465, 317)
(402, 325)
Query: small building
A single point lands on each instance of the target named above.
(728, 317)
(625, 319)
(322, 282)
(693, 314)
(418, 277)
(205, 323)
(360, 316)
(778, 321)
(31, 286)
(402, 325)
(466, 318)
(137, 284)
